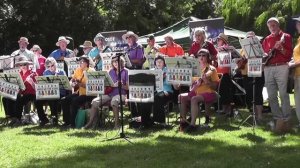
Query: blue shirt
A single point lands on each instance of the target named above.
(166, 85)
(57, 54)
(94, 53)
(58, 72)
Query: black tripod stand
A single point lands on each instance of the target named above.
(253, 115)
(122, 134)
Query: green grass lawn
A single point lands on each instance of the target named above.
(222, 145)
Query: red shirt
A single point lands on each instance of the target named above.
(210, 47)
(29, 82)
(278, 57)
(41, 60)
(172, 51)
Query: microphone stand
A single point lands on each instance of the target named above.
(122, 134)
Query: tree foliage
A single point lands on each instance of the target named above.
(42, 21)
(253, 14)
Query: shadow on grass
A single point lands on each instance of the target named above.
(253, 138)
(42, 131)
(89, 134)
(166, 151)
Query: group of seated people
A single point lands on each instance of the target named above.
(203, 90)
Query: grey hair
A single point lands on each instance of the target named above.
(200, 31)
(49, 61)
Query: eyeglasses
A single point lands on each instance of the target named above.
(50, 66)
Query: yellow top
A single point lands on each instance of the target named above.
(296, 55)
(79, 75)
(213, 76)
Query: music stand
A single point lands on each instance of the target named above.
(72, 64)
(62, 80)
(184, 62)
(254, 51)
(96, 83)
(14, 78)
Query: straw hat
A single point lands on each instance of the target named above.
(22, 60)
(99, 36)
(62, 38)
(223, 37)
(23, 39)
(128, 34)
(87, 44)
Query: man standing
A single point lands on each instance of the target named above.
(23, 43)
(171, 49)
(151, 50)
(279, 45)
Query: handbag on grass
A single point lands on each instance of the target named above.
(80, 118)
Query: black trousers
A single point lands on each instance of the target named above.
(259, 84)
(71, 105)
(226, 90)
(53, 105)
(160, 100)
(14, 108)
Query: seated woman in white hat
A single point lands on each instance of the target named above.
(99, 40)
(62, 51)
(15, 107)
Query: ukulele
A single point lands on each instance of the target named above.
(272, 52)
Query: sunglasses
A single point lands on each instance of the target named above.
(23, 64)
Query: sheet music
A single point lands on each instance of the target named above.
(14, 78)
(95, 87)
(6, 62)
(141, 94)
(100, 74)
(46, 91)
(181, 76)
(252, 47)
(184, 62)
(158, 76)
(9, 90)
(224, 59)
